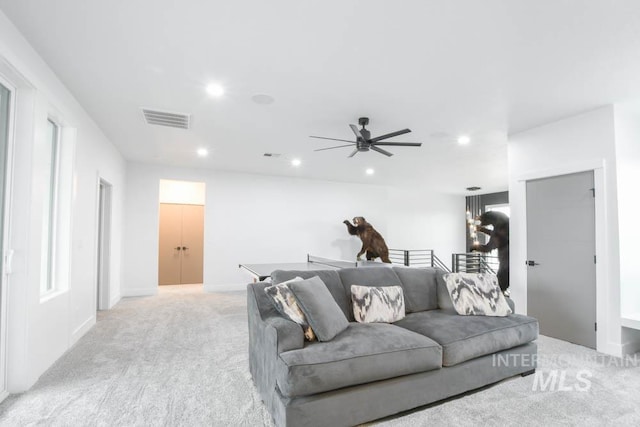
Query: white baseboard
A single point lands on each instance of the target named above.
(83, 329)
(225, 287)
(116, 299)
(3, 395)
(139, 292)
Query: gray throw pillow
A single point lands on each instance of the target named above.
(323, 313)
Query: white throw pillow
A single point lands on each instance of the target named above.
(285, 302)
(377, 304)
(476, 294)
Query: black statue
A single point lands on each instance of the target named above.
(498, 239)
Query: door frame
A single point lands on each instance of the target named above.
(104, 213)
(7, 253)
(605, 307)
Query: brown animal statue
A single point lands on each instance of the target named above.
(372, 242)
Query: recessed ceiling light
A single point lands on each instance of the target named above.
(369, 171)
(214, 89)
(202, 152)
(463, 140)
(296, 162)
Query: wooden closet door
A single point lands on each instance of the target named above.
(170, 244)
(192, 243)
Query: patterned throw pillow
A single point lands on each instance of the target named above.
(287, 305)
(476, 294)
(377, 304)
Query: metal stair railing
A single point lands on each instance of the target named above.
(417, 258)
(474, 262)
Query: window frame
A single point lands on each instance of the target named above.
(48, 283)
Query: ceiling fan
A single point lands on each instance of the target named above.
(364, 142)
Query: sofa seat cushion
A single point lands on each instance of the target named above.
(467, 337)
(361, 354)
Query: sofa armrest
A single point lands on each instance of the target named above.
(289, 335)
(269, 335)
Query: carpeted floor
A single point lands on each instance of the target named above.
(180, 358)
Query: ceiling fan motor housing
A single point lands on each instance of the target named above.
(362, 145)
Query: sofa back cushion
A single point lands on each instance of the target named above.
(330, 279)
(444, 299)
(263, 301)
(367, 276)
(420, 288)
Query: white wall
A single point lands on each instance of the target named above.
(261, 219)
(627, 128)
(427, 221)
(39, 331)
(182, 192)
(582, 142)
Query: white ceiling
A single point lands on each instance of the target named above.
(442, 68)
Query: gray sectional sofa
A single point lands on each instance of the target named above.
(370, 371)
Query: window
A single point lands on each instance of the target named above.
(505, 209)
(50, 174)
(5, 98)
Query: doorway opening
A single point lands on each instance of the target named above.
(103, 284)
(181, 233)
(7, 103)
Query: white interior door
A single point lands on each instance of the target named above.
(561, 276)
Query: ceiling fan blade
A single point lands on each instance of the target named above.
(400, 144)
(354, 153)
(380, 150)
(390, 135)
(331, 139)
(331, 148)
(355, 130)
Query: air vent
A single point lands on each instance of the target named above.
(165, 118)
